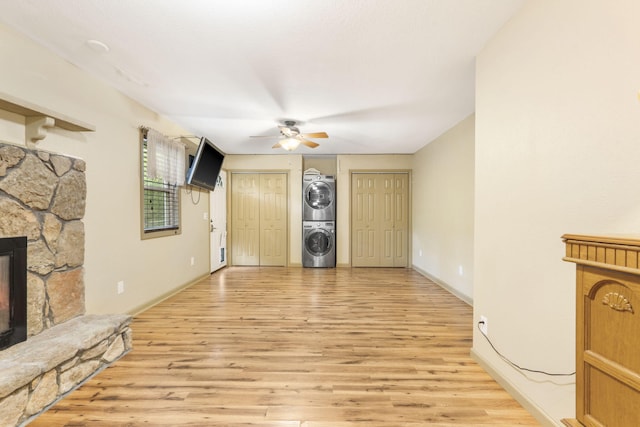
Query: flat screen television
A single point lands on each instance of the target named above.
(205, 167)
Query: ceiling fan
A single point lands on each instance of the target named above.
(291, 137)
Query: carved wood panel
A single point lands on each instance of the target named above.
(607, 329)
(609, 366)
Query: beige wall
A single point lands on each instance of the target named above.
(326, 165)
(113, 249)
(557, 149)
(442, 229)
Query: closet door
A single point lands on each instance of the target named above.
(401, 220)
(379, 219)
(273, 219)
(364, 247)
(386, 206)
(245, 219)
(259, 219)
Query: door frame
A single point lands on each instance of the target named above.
(408, 172)
(226, 201)
(230, 173)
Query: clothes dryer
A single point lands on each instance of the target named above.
(319, 198)
(318, 244)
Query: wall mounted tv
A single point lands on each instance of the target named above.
(206, 165)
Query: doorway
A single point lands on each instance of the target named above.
(218, 223)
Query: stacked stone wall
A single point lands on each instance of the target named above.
(42, 196)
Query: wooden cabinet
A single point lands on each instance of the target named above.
(607, 330)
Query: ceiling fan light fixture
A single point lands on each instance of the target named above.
(290, 144)
(291, 138)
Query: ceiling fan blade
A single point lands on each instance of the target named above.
(277, 145)
(315, 135)
(308, 143)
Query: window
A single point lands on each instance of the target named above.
(160, 198)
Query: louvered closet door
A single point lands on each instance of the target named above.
(379, 220)
(259, 219)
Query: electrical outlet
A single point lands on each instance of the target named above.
(420, 252)
(460, 270)
(121, 287)
(484, 325)
(193, 261)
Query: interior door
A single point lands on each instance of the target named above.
(401, 220)
(385, 199)
(259, 219)
(379, 219)
(364, 247)
(218, 226)
(245, 218)
(273, 219)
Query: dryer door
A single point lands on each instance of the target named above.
(318, 195)
(318, 242)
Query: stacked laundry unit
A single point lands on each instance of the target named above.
(318, 220)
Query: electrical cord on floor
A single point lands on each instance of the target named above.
(514, 364)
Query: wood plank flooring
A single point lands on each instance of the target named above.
(297, 347)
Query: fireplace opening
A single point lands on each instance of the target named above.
(13, 291)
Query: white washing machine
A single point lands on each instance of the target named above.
(318, 194)
(318, 244)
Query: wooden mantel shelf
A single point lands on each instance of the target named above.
(39, 118)
(619, 253)
(27, 109)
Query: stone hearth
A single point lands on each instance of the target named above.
(42, 196)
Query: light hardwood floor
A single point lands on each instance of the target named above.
(295, 347)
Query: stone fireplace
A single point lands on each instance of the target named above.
(13, 291)
(42, 199)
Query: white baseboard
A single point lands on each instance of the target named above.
(445, 286)
(515, 392)
(531, 407)
(165, 296)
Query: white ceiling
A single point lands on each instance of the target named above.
(379, 76)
